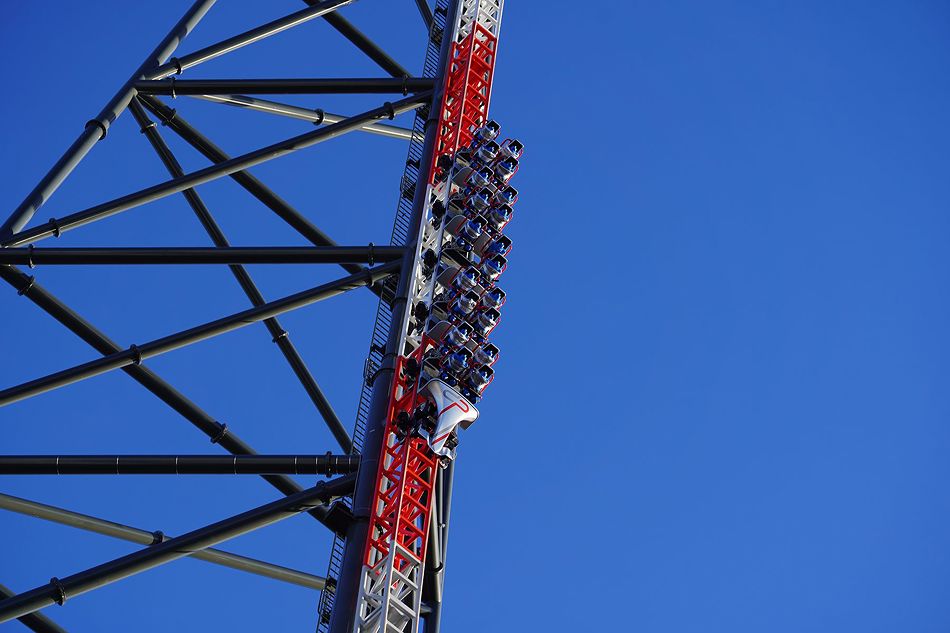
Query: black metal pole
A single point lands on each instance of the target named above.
(426, 13)
(217, 432)
(251, 184)
(363, 43)
(179, 87)
(239, 163)
(60, 590)
(137, 353)
(434, 576)
(177, 65)
(317, 116)
(178, 464)
(277, 333)
(432, 621)
(347, 589)
(201, 255)
(145, 537)
(97, 128)
(34, 621)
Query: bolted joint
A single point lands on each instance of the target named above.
(103, 128)
(59, 591)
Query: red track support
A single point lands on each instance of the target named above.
(392, 576)
(391, 584)
(406, 475)
(467, 94)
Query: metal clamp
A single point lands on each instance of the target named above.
(396, 300)
(282, 334)
(60, 596)
(103, 130)
(29, 256)
(321, 115)
(136, 354)
(177, 63)
(167, 118)
(372, 377)
(222, 431)
(55, 224)
(372, 259)
(390, 110)
(157, 537)
(29, 285)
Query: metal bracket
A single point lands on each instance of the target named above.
(339, 518)
(221, 433)
(60, 597)
(29, 285)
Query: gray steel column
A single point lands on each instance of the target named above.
(240, 163)
(144, 537)
(363, 43)
(179, 64)
(425, 12)
(98, 127)
(434, 577)
(218, 432)
(35, 621)
(296, 220)
(347, 590)
(135, 354)
(342, 86)
(57, 591)
(278, 334)
(314, 115)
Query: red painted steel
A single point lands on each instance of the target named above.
(402, 508)
(467, 94)
(405, 480)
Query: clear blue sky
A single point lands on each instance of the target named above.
(722, 399)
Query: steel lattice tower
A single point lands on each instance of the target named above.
(388, 499)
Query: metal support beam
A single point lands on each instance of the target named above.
(201, 255)
(363, 43)
(316, 116)
(34, 621)
(60, 590)
(97, 128)
(277, 333)
(346, 86)
(250, 183)
(144, 537)
(426, 14)
(178, 464)
(177, 65)
(345, 600)
(135, 354)
(218, 432)
(434, 577)
(176, 185)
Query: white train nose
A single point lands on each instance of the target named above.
(452, 410)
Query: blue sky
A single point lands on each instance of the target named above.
(721, 403)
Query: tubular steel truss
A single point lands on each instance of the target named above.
(387, 560)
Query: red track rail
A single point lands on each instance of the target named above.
(406, 476)
(467, 94)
